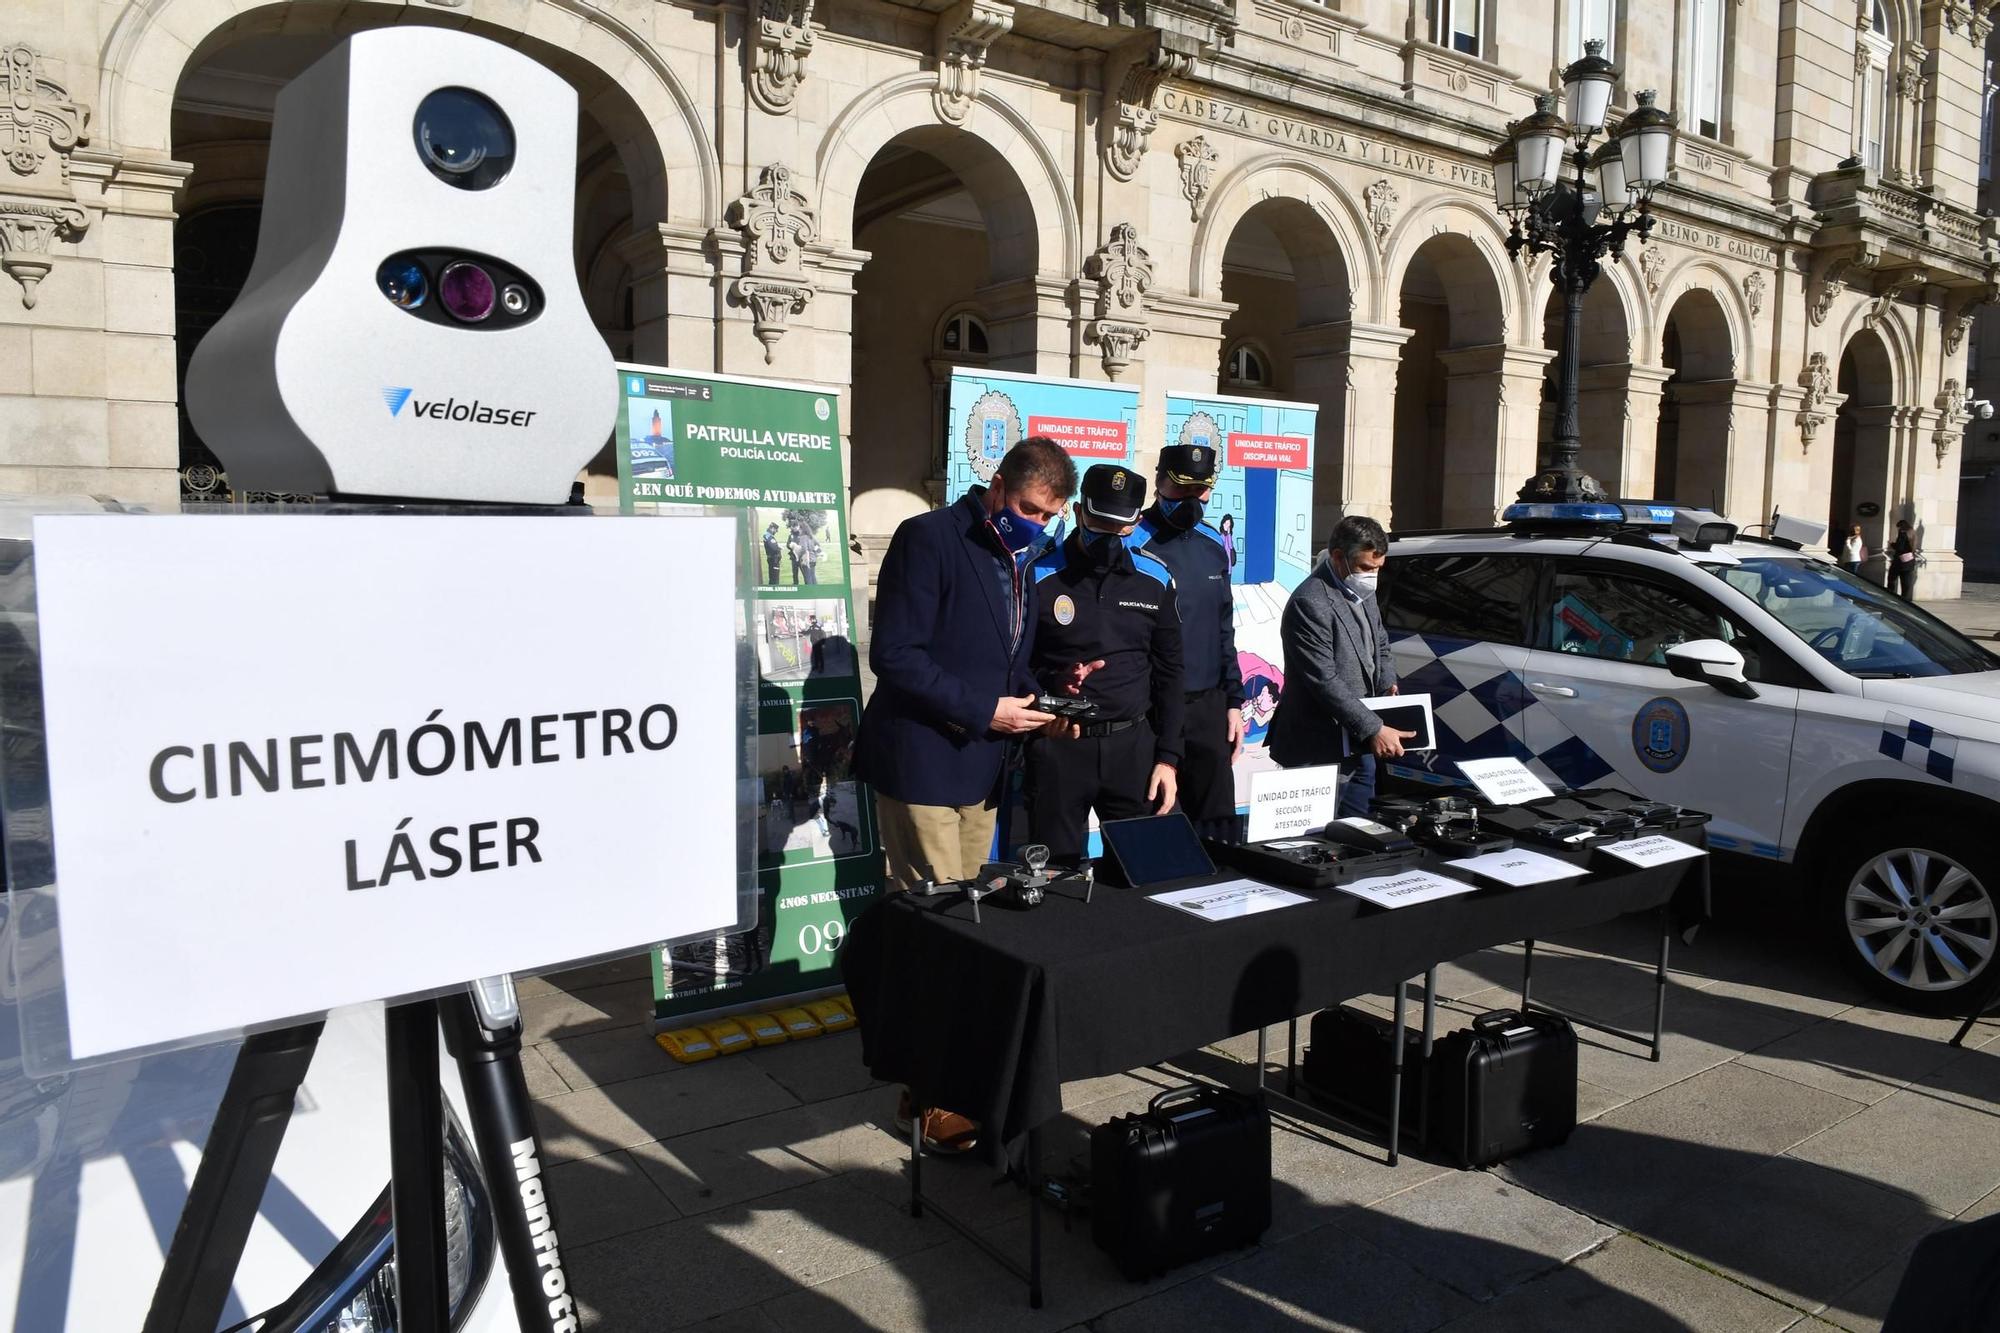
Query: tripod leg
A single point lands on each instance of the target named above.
(229, 1184)
(416, 1167)
(483, 1031)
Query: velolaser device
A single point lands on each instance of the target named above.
(412, 324)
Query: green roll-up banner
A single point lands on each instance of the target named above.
(773, 450)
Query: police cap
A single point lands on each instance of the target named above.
(1189, 464)
(1113, 494)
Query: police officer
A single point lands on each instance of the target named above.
(1172, 532)
(1107, 630)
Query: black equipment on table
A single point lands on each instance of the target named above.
(1503, 1086)
(1650, 815)
(1307, 861)
(1350, 1059)
(1188, 1177)
(1366, 835)
(1446, 824)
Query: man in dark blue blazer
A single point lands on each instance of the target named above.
(954, 626)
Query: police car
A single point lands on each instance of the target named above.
(1830, 727)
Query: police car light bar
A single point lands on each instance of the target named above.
(1625, 513)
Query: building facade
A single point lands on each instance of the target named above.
(1271, 197)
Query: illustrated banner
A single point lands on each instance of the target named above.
(772, 451)
(1262, 505)
(992, 411)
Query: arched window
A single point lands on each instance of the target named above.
(962, 333)
(1871, 93)
(1246, 367)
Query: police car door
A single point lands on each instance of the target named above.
(1607, 711)
(1458, 624)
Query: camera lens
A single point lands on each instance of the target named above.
(404, 282)
(464, 138)
(466, 290)
(514, 299)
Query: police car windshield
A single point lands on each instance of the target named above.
(1860, 627)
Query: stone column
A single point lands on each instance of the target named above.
(1186, 344)
(1643, 388)
(677, 296)
(1706, 444)
(1349, 369)
(1030, 325)
(1493, 400)
(1748, 490)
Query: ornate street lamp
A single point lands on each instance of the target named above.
(1555, 191)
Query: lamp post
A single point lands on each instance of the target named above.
(1563, 198)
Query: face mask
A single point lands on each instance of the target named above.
(1017, 534)
(1182, 514)
(1363, 585)
(1092, 538)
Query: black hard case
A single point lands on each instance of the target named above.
(1189, 1177)
(1505, 1085)
(1351, 1058)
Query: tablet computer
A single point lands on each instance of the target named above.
(1406, 712)
(1154, 851)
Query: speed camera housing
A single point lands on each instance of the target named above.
(412, 324)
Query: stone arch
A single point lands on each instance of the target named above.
(1708, 340)
(620, 79)
(1276, 176)
(1473, 245)
(1865, 466)
(1898, 347)
(1726, 298)
(1030, 203)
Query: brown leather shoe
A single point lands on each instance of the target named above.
(946, 1133)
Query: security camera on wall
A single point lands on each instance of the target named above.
(412, 324)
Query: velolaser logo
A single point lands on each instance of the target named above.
(397, 397)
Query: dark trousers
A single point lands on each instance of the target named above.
(1207, 779)
(1903, 580)
(1067, 779)
(1358, 793)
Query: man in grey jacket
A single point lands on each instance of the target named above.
(1336, 655)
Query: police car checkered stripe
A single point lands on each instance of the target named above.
(1919, 745)
(1481, 710)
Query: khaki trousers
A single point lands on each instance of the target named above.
(939, 843)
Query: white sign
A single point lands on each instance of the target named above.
(302, 762)
(1518, 867)
(1406, 889)
(1229, 900)
(1285, 801)
(1504, 781)
(1655, 850)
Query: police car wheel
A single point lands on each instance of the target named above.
(1918, 914)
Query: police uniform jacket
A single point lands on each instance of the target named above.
(954, 627)
(1105, 601)
(1200, 565)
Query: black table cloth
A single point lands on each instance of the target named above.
(991, 1018)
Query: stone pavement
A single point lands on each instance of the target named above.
(1976, 613)
(1773, 1172)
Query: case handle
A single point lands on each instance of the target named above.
(1175, 1094)
(1499, 1018)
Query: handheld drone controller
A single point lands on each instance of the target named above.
(1068, 708)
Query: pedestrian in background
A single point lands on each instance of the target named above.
(1904, 555)
(1336, 655)
(1853, 551)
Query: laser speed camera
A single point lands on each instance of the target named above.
(412, 324)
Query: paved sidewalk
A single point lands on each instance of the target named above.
(1976, 613)
(1772, 1172)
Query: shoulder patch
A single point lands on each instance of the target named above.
(1146, 564)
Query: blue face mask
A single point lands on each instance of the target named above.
(1092, 537)
(1017, 534)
